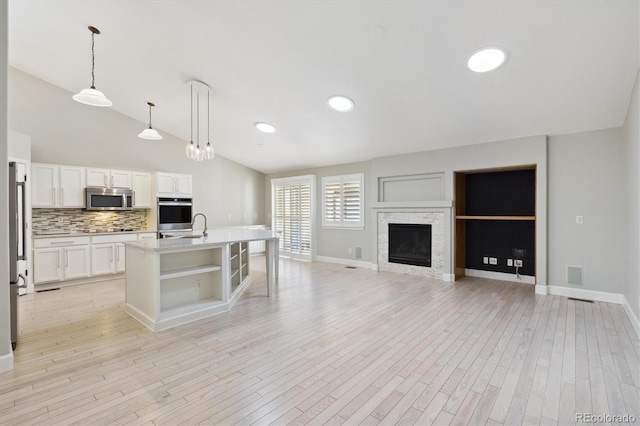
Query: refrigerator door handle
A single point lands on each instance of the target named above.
(24, 280)
(24, 222)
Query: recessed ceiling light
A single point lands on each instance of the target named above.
(265, 127)
(340, 103)
(487, 59)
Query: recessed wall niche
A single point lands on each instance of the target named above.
(495, 212)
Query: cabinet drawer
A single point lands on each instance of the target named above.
(106, 239)
(59, 242)
(147, 236)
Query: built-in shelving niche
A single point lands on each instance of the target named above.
(495, 212)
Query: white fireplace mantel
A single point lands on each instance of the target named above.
(444, 204)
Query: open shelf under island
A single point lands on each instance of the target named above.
(169, 282)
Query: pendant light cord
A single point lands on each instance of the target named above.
(208, 143)
(93, 61)
(198, 119)
(149, 116)
(192, 114)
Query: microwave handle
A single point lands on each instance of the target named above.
(124, 201)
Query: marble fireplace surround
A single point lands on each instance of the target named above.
(438, 214)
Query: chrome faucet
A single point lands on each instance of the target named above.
(204, 231)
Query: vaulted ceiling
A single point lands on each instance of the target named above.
(571, 67)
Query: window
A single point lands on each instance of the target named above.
(293, 219)
(343, 201)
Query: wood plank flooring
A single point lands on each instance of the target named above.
(332, 346)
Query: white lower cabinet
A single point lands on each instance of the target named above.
(102, 259)
(76, 262)
(70, 258)
(107, 253)
(57, 259)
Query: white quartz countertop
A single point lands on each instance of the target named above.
(56, 234)
(215, 237)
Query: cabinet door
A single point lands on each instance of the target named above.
(102, 259)
(183, 185)
(120, 179)
(46, 265)
(76, 262)
(98, 177)
(44, 186)
(120, 257)
(72, 184)
(141, 185)
(164, 183)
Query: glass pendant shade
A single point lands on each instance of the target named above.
(150, 134)
(199, 154)
(92, 97)
(191, 150)
(208, 152)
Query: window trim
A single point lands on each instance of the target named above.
(342, 224)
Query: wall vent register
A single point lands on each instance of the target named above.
(410, 244)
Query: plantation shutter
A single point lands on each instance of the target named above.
(343, 201)
(293, 217)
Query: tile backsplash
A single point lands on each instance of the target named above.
(79, 220)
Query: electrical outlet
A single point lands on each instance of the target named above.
(579, 220)
(350, 250)
(518, 263)
(493, 261)
(229, 215)
(485, 260)
(509, 262)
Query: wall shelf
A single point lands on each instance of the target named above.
(462, 217)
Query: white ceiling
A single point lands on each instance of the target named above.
(571, 68)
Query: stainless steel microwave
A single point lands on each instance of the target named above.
(109, 198)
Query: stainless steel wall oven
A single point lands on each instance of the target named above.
(174, 214)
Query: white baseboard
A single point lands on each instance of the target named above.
(6, 362)
(579, 293)
(500, 276)
(348, 262)
(542, 289)
(632, 316)
(448, 277)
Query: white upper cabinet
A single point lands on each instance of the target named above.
(141, 185)
(173, 185)
(45, 184)
(57, 186)
(72, 184)
(106, 178)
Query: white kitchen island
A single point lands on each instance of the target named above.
(170, 282)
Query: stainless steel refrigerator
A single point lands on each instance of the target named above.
(17, 241)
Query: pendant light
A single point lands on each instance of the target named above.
(150, 133)
(208, 150)
(92, 96)
(191, 147)
(193, 150)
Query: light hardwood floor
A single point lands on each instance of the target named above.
(332, 346)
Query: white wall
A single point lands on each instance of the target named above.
(333, 242)
(6, 355)
(585, 178)
(631, 197)
(66, 132)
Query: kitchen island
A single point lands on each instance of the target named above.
(170, 282)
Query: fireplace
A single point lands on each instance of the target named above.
(410, 244)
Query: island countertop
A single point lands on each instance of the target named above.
(215, 237)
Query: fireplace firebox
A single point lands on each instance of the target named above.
(410, 244)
